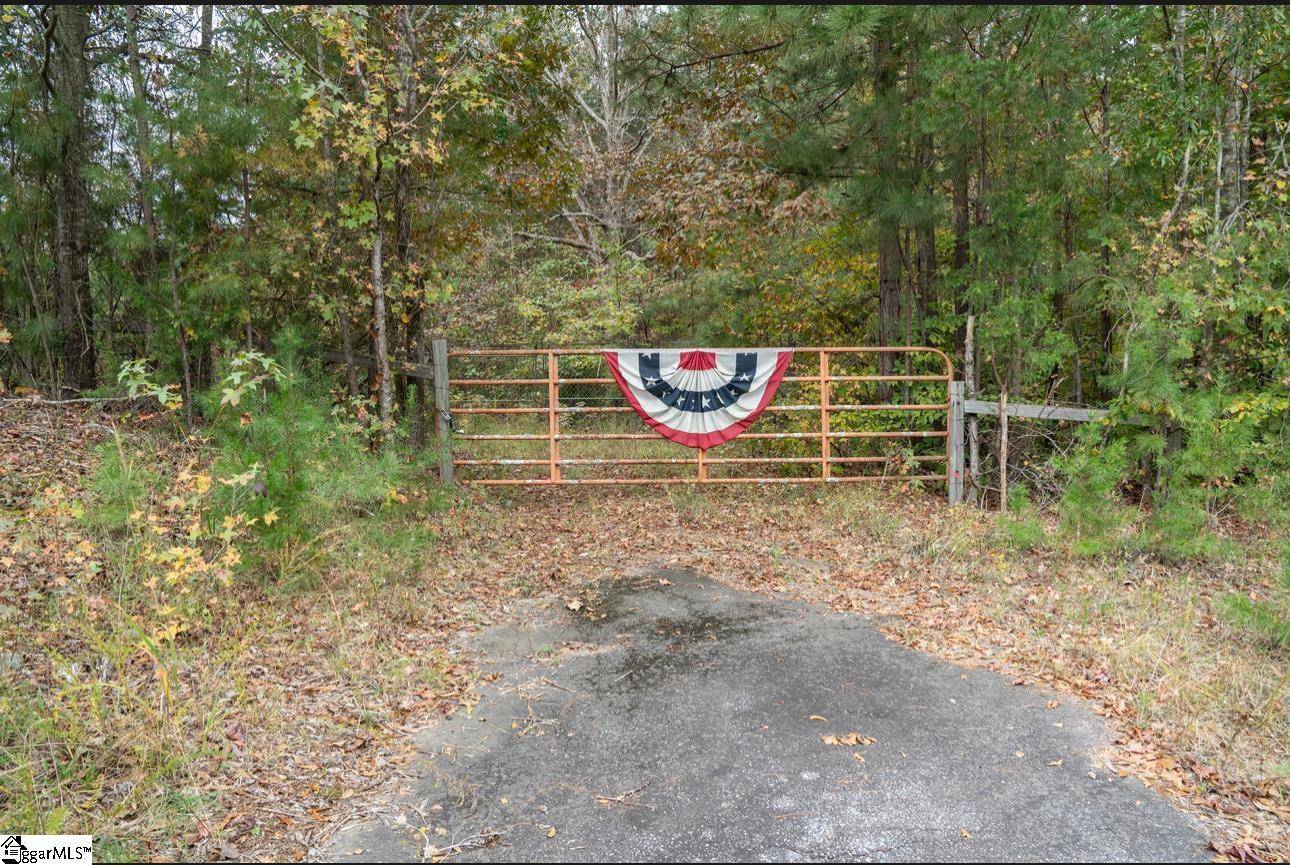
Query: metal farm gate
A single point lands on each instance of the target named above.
(558, 395)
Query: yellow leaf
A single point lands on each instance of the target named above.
(850, 739)
(270, 518)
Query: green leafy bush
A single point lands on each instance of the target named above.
(122, 483)
(289, 460)
(1178, 528)
(1090, 512)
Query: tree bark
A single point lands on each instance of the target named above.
(247, 224)
(1106, 326)
(960, 255)
(926, 234)
(342, 309)
(208, 29)
(925, 230)
(380, 333)
(888, 299)
(1229, 198)
(69, 78)
(176, 304)
(413, 342)
(888, 229)
(143, 141)
(974, 425)
(385, 395)
(1003, 449)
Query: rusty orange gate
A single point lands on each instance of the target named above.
(491, 390)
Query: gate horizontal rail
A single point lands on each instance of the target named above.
(826, 459)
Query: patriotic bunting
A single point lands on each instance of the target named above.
(699, 398)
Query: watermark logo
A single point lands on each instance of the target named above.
(21, 849)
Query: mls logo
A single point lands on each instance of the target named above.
(20, 850)
(11, 850)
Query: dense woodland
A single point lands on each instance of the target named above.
(1102, 189)
(230, 581)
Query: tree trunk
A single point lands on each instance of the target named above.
(403, 183)
(888, 299)
(888, 229)
(974, 425)
(1231, 167)
(176, 304)
(177, 313)
(342, 309)
(962, 225)
(1106, 327)
(384, 384)
(143, 142)
(347, 348)
(925, 231)
(420, 430)
(246, 220)
(380, 334)
(208, 29)
(69, 78)
(379, 376)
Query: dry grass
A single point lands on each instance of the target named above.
(260, 726)
(297, 692)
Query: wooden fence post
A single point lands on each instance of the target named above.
(973, 425)
(955, 451)
(442, 419)
(1003, 449)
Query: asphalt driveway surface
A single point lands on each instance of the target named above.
(672, 718)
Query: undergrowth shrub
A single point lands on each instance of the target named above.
(1022, 529)
(157, 570)
(299, 469)
(1178, 527)
(122, 483)
(1090, 512)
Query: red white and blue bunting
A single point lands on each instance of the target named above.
(699, 398)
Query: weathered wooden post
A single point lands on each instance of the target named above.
(1003, 449)
(954, 432)
(973, 426)
(442, 419)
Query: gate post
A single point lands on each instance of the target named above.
(954, 449)
(442, 419)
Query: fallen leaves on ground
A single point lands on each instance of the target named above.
(848, 739)
(311, 698)
(284, 709)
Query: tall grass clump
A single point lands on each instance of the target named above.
(300, 468)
